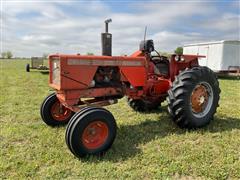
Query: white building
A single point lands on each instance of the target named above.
(220, 55)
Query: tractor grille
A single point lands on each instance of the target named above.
(56, 71)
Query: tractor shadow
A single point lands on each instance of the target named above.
(43, 72)
(131, 137)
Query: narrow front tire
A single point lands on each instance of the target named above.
(91, 132)
(53, 113)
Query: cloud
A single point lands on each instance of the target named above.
(33, 28)
(224, 22)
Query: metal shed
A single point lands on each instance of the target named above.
(220, 55)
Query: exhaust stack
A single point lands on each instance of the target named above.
(106, 40)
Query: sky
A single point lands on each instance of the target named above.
(32, 28)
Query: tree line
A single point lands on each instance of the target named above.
(7, 55)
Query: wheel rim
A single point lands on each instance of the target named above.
(201, 99)
(60, 112)
(95, 135)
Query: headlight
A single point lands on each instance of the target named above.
(182, 58)
(176, 58)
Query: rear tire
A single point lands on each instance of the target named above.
(27, 68)
(53, 113)
(91, 132)
(193, 97)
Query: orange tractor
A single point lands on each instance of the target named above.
(83, 84)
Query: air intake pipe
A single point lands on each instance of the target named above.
(106, 40)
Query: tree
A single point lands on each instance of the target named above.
(9, 54)
(179, 51)
(3, 54)
(90, 54)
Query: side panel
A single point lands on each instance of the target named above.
(64, 76)
(77, 71)
(137, 76)
(74, 76)
(132, 68)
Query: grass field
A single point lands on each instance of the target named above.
(147, 146)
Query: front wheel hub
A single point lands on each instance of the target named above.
(95, 135)
(60, 112)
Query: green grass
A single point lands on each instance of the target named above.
(147, 146)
